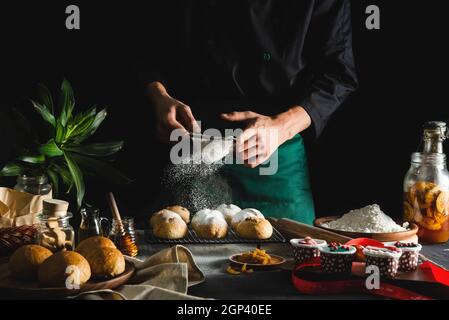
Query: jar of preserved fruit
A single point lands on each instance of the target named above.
(426, 187)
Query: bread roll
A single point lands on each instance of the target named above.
(92, 243)
(56, 270)
(25, 261)
(105, 262)
(183, 212)
(168, 225)
(210, 224)
(244, 214)
(254, 229)
(228, 211)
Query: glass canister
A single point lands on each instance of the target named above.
(54, 231)
(35, 185)
(426, 187)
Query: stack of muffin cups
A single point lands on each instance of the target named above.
(337, 258)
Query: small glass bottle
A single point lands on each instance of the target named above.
(35, 185)
(426, 187)
(91, 224)
(55, 232)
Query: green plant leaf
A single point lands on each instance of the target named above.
(77, 176)
(99, 118)
(45, 97)
(37, 159)
(81, 128)
(60, 133)
(64, 174)
(67, 103)
(12, 170)
(53, 175)
(100, 169)
(45, 113)
(96, 149)
(50, 149)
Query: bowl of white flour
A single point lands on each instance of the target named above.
(368, 222)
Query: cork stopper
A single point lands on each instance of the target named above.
(55, 208)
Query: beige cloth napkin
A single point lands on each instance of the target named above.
(19, 208)
(164, 276)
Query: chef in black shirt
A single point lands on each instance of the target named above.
(258, 64)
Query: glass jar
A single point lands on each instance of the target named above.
(426, 196)
(123, 234)
(56, 233)
(35, 185)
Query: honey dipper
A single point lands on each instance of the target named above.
(123, 240)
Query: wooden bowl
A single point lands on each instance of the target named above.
(382, 237)
(12, 288)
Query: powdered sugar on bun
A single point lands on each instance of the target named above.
(245, 214)
(228, 211)
(208, 217)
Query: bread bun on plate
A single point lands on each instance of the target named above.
(244, 214)
(92, 243)
(228, 211)
(167, 224)
(56, 270)
(25, 261)
(254, 228)
(210, 224)
(106, 262)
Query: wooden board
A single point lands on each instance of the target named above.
(295, 229)
(12, 288)
(409, 235)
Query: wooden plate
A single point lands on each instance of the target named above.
(383, 237)
(12, 288)
(277, 261)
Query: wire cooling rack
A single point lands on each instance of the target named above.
(231, 238)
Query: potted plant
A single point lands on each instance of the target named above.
(65, 156)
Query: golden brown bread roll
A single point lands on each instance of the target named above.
(168, 225)
(55, 271)
(183, 212)
(25, 261)
(245, 214)
(92, 243)
(210, 224)
(105, 262)
(254, 229)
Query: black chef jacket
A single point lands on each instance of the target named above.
(260, 55)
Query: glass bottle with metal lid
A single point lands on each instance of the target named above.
(426, 186)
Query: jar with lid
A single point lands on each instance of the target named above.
(54, 231)
(426, 187)
(37, 185)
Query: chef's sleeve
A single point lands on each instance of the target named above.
(328, 49)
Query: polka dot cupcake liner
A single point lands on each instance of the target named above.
(336, 263)
(409, 261)
(388, 266)
(305, 254)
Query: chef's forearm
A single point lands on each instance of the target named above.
(293, 121)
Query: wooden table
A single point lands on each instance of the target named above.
(261, 285)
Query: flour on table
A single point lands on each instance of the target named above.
(369, 219)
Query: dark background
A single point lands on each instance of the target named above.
(360, 159)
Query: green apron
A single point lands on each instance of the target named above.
(286, 194)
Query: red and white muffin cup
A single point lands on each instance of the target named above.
(337, 262)
(385, 259)
(304, 250)
(409, 260)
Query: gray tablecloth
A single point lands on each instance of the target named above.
(261, 285)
